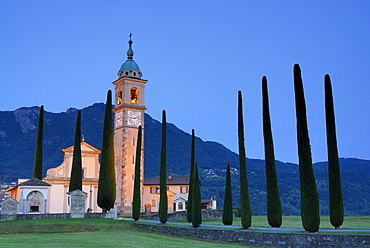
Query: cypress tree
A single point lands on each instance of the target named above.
(227, 213)
(37, 165)
(76, 172)
(245, 207)
(136, 199)
(163, 202)
(274, 211)
(335, 184)
(310, 208)
(197, 202)
(191, 179)
(107, 174)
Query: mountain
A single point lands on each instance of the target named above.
(18, 131)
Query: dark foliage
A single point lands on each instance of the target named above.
(274, 211)
(76, 172)
(163, 201)
(107, 174)
(227, 213)
(191, 181)
(310, 207)
(196, 220)
(245, 206)
(37, 165)
(136, 203)
(335, 184)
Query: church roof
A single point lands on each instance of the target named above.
(130, 65)
(34, 182)
(85, 148)
(182, 180)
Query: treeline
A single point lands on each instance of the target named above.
(309, 199)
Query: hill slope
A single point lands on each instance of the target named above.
(17, 144)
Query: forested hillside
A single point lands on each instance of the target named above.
(17, 145)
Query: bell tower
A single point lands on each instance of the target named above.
(128, 116)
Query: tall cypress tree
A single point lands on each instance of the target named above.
(107, 174)
(197, 201)
(37, 165)
(335, 184)
(76, 172)
(189, 210)
(245, 206)
(274, 211)
(163, 202)
(136, 204)
(310, 208)
(227, 213)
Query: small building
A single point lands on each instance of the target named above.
(177, 192)
(209, 203)
(32, 195)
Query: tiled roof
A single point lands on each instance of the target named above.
(183, 180)
(34, 182)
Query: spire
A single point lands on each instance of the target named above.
(130, 68)
(130, 52)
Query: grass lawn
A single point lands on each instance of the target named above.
(350, 222)
(108, 232)
(89, 233)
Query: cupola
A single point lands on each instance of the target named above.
(130, 68)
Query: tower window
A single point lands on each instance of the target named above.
(119, 96)
(134, 96)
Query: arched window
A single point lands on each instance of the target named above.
(35, 200)
(119, 96)
(134, 96)
(180, 206)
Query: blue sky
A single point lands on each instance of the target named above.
(196, 56)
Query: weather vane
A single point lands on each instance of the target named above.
(130, 35)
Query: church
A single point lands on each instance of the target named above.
(50, 194)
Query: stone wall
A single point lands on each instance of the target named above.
(52, 216)
(270, 239)
(33, 216)
(9, 206)
(206, 215)
(107, 215)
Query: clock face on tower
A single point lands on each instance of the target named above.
(118, 116)
(134, 118)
